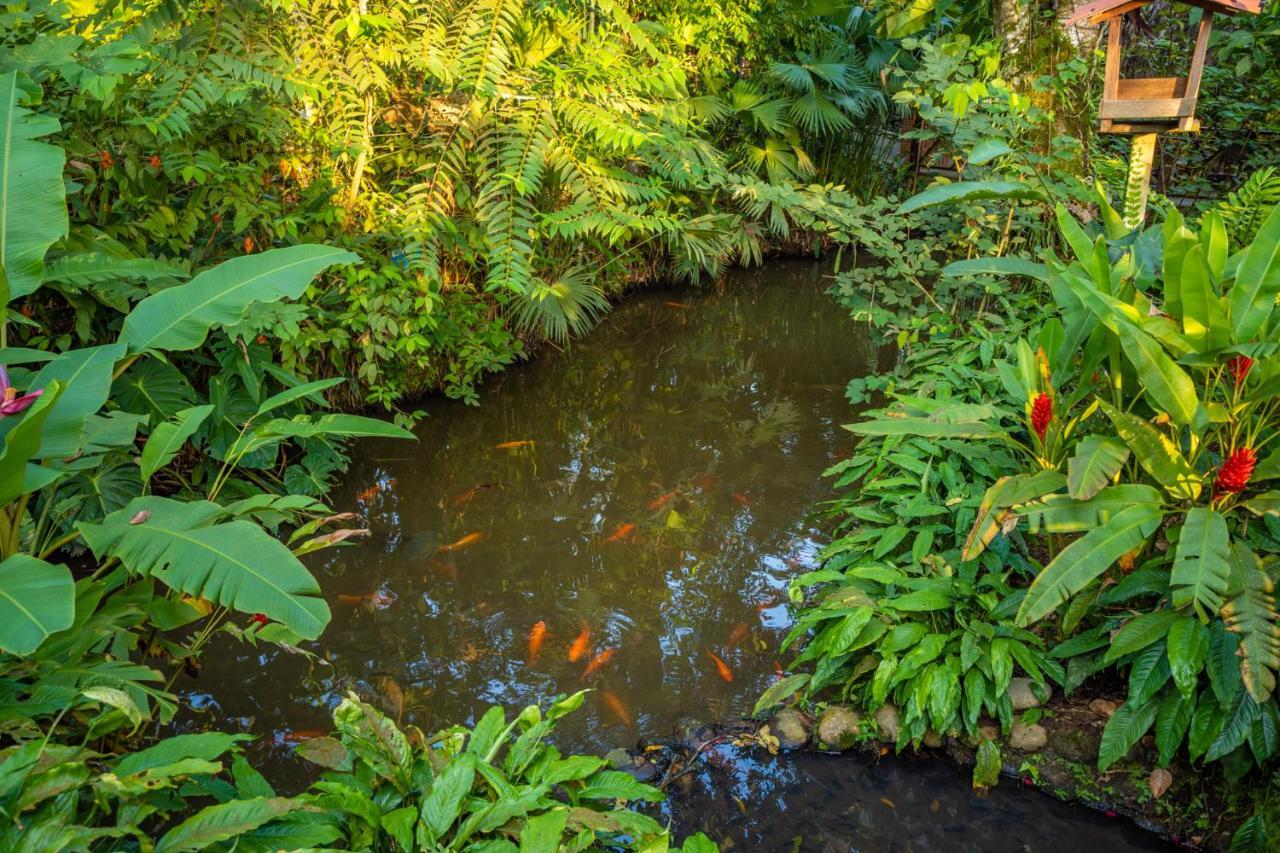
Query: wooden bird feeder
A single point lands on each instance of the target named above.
(1152, 104)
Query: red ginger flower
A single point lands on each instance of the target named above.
(260, 618)
(155, 162)
(1041, 414)
(1239, 367)
(1235, 472)
(106, 159)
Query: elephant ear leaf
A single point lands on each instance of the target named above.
(179, 318)
(36, 599)
(33, 208)
(236, 563)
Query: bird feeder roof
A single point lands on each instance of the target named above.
(1102, 10)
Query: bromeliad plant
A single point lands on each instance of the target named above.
(1154, 448)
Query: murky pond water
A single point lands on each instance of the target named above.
(623, 516)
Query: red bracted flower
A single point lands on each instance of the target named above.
(155, 162)
(260, 618)
(1235, 472)
(1239, 367)
(106, 159)
(1041, 414)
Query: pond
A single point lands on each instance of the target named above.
(623, 516)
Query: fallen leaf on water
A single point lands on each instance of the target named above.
(935, 806)
(393, 695)
(888, 802)
(1159, 782)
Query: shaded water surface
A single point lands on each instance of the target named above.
(644, 499)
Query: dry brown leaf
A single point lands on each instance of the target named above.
(1102, 707)
(1159, 782)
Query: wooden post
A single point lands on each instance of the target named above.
(1142, 155)
(1188, 123)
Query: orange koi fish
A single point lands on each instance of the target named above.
(300, 735)
(739, 634)
(778, 670)
(706, 482)
(465, 542)
(658, 502)
(536, 635)
(470, 494)
(622, 531)
(377, 599)
(598, 661)
(448, 568)
(615, 705)
(672, 304)
(579, 647)
(512, 445)
(741, 499)
(722, 668)
(373, 491)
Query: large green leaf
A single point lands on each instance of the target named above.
(224, 822)
(1204, 322)
(86, 378)
(235, 564)
(1168, 385)
(1005, 493)
(1064, 514)
(88, 268)
(36, 599)
(1200, 568)
(1253, 616)
(21, 444)
(153, 387)
(1158, 456)
(168, 438)
(1125, 728)
(1008, 265)
(1096, 461)
(33, 209)
(1253, 297)
(1087, 558)
(179, 318)
(1187, 648)
(969, 191)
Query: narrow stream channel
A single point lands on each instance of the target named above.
(644, 498)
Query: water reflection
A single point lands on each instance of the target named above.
(650, 488)
(838, 804)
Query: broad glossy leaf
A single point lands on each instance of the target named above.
(36, 599)
(997, 266)
(1140, 632)
(224, 822)
(86, 378)
(167, 439)
(236, 564)
(1168, 385)
(297, 392)
(33, 208)
(1096, 461)
(1188, 646)
(780, 691)
(1064, 514)
(1200, 566)
(1125, 728)
(1253, 296)
(1156, 454)
(442, 806)
(180, 317)
(88, 268)
(21, 444)
(969, 191)
(1005, 493)
(1087, 558)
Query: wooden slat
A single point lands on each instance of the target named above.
(1151, 87)
(1129, 128)
(1111, 79)
(1101, 10)
(1197, 67)
(1147, 108)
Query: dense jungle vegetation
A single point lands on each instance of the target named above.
(226, 226)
